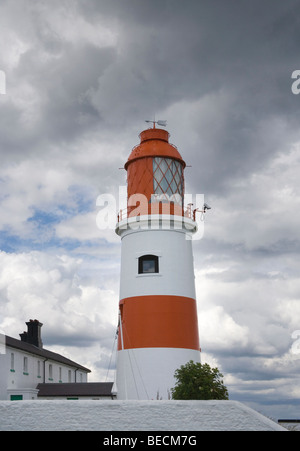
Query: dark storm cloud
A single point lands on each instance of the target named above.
(63, 85)
(202, 46)
(169, 52)
(61, 91)
(238, 55)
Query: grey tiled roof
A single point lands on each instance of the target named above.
(80, 389)
(41, 352)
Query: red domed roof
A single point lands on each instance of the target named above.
(154, 143)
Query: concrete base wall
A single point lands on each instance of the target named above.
(132, 416)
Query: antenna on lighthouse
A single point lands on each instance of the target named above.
(160, 123)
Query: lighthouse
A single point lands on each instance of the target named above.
(158, 325)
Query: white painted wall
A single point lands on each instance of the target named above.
(176, 274)
(145, 374)
(18, 379)
(3, 376)
(152, 416)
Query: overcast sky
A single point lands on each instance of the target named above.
(82, 76)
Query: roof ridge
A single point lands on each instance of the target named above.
(18, 344)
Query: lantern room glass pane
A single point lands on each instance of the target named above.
(168, 177)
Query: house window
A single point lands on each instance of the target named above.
(39, 369)
(60, 374)
(50, 372)
(69, 376)
(12, 362)
(25, 366)
(148, 264)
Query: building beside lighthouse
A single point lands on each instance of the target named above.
(28, 371)
(158, 326)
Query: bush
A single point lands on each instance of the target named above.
(199, 382)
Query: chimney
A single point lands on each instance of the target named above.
(33, 334)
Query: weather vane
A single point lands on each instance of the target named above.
(160, 123)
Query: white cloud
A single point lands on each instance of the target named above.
(82, 227)
(31, 185)
(218, 330)
(262, 209)
(49, 288)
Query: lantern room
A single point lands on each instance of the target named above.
(155, 172)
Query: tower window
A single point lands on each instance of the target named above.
(148, 264)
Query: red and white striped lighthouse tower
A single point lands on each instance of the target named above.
(158, 326)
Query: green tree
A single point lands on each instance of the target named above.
(200, 382)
